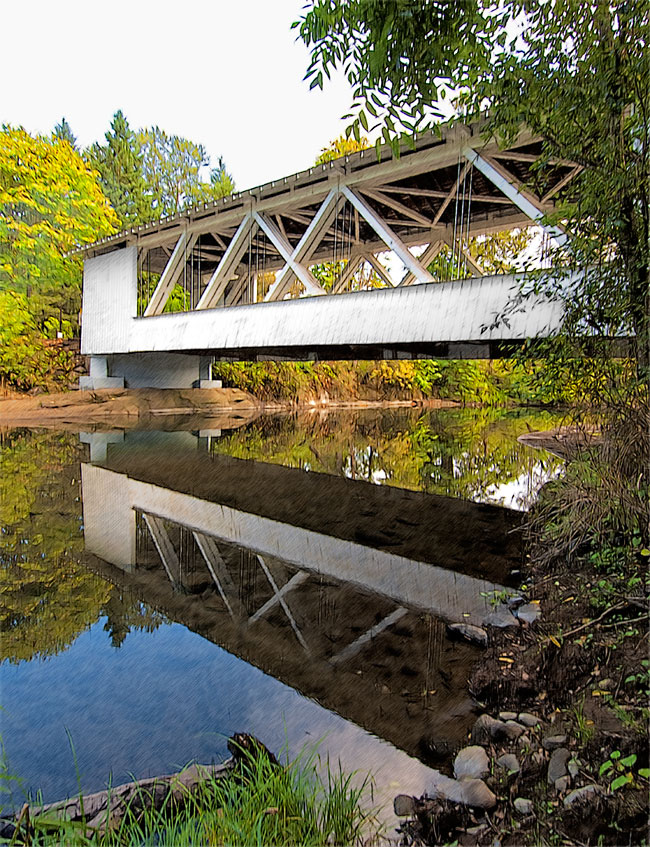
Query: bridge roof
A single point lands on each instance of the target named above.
(422, 193)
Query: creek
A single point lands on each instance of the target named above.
(291, 578)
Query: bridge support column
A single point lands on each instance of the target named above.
(149, 370)
(98, 376)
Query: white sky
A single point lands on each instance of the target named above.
(223, 73)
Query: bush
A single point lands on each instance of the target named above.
(27, 360)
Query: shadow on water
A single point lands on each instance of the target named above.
(210, 557)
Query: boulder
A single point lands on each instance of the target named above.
(552, 742)
(557, 765)
(474, 634)
(474, 792)
(523, 806)
(528, 719)
(509, 762)
(528, 613)
(501, 618)
(582, 795)
(471, 762)
(404, 805)
(486, 728)
(508, 716)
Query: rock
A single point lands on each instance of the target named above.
(474, 634)
(606, 684)
(573, 767)
(404, 805)
(508, 716)
(471, 762)
(523, 806)
(486, 728)
(528, 719)
(524, 740)
(529, 612)
(582, 795)
(516, 601)
(552, 742)
(562, 784)
(474, 792)
(557, 765)
(513, 729)
(509, 762)
(500, 618)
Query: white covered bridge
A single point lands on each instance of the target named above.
(242, 278)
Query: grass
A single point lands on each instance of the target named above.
(260, 803)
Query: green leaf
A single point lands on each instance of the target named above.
(620, 781)
(608, 765)
(644, 772)
(628, 761)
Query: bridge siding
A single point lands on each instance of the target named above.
(445, 312)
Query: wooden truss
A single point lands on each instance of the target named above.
(452, 188)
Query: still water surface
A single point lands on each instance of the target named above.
(290, 578)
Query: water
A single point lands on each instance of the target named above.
(290, 578)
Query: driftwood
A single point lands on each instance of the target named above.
(105, 809)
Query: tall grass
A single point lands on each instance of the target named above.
(259, 803)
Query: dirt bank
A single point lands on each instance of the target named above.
(149, 407)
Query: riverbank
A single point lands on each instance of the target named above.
(559, 754)
(135, 407)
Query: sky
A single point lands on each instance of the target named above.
(227, 74)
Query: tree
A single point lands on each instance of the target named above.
(173, 169)
(341, 146)
(120, 166)
(577, 73)
(63, 131)
(50, 203)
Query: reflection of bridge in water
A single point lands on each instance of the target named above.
(339, 589)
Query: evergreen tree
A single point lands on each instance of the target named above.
(120, 166)
(63, 131)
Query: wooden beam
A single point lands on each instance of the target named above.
(560, 185)
(441, 195)
(360, 642)
(452, 193)
(218, 571)
(426, 258)
(287, 252)
(280, 599)
(506, 183)
(390, 239)
(228, 264)
(169, 276)
(345, 277)
(164, 547)
(377, 266)
(397, 206)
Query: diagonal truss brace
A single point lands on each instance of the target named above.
(358, 644)
(301, 253)
(500, 177)
(426, 258)
(390, 239)
(228, 264)
(170, 275)
(379, 269)
(285, 249)
(345, 277)
(164, 547)
(218, 571)
(278, 597)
